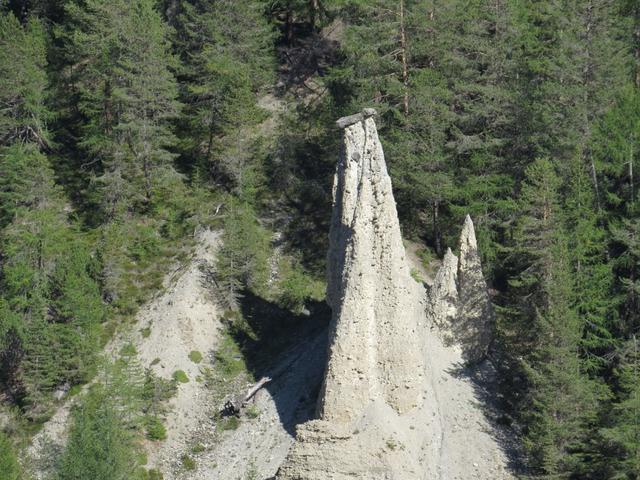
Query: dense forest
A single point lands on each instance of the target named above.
(123, 127)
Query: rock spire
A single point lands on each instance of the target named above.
(459, 301)
(375, 358)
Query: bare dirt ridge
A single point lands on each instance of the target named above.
(181, 319)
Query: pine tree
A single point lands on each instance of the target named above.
(23, 81)
(591, 270)
(227, 48)
(47, 280)
(624, 431)
(559, 400)
(100, 445)
(119, 64)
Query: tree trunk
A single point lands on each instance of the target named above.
(436, 226)
(314, 7)
(289, 25)
(403, 54)
(631, 186)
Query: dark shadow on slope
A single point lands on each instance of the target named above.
(483, 377)
(289, 348)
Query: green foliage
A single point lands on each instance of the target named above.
(229, 423)
(23, 81)
(228, 357)
(624, 431)
(198, 448)
(155, 430)
(9, 465)
(228, 51)
(252, 412)
(188, 463)
(49, 280)
(100, 445)
(180, 376)
(154, 474)
(296, 287)
(127, 95)
(195, 356)
(243, 257)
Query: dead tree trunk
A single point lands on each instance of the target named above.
(235, 405)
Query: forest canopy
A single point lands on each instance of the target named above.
(124, 123)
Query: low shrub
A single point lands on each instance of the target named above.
(155, 430)
(195, 356)
(180, 376)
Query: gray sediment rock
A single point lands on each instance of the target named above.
(375, 358)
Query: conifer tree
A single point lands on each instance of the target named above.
(119, 63)
(23, 113)
(560, 399)
(227, 48)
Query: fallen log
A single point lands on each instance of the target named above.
(235, 405)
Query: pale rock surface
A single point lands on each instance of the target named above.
(375, 370)
(458, 301)
(474, 327)
(443, 295)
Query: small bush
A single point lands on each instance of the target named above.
(155, 474)
(195, 356)
(146, 332)
(128, 350)
(252, 411)
(180, 376)
(155, 361)
(188, 463)
(229, 360)
(297, 287)
(229, 423)
(415, 274)
(426, 256)
(155, 430)
(197, 448)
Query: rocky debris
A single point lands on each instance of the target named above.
(459, 301)
(375, 359)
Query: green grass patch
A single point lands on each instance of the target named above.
(146, 332)
(229, 360)
(153, 474)
(415, 274)
(128, 350)
(180, 376)
(229, 423)
(195, 356)
(252, 412)
(197, 448)
(188, 463)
